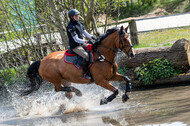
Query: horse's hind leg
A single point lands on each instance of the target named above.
(105, 84)
(68, 94)
(58, 81)
(69, 89)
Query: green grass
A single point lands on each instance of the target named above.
(162, 37)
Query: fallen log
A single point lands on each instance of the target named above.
(178, 54)
(182, 78)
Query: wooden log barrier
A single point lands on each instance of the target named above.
(182, 78)
(178, 54)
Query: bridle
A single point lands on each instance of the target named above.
(121, 42)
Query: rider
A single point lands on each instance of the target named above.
(75, 32)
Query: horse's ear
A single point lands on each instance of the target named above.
(121, 29)
(126, 28)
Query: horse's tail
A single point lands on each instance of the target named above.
(34, 78)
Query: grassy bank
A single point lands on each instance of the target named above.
(162, 38)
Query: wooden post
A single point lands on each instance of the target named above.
(133, 32)
(37, 37)
(49, 50)
(28, 56)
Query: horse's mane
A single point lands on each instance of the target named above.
(105, 35)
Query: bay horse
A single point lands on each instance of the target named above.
(52, 68)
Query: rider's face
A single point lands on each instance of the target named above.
(76, 17)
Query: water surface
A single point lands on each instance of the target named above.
(163, 107)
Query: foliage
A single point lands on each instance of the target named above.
(156, 69)
(11, 75)
(171, 5)
(21, 20)
(141, 7)
(123, 70)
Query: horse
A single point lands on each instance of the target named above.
(52, 68)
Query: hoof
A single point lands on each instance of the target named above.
(77, 92)
(125, 98)
(69, 95)
(103, 101)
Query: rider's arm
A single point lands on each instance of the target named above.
(78, 40)
(75, 36)
(87, 34)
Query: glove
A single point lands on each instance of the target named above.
(89, 47)
(93, 37)
(91, 41)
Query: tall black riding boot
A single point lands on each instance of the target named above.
(84, 65)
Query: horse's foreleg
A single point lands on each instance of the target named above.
(105, 84)
(119, 77)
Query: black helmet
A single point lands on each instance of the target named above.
(73, 12)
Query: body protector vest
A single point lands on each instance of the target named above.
(73, 28)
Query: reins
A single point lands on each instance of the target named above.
(102, 58)
(120, 43)
(113, 49)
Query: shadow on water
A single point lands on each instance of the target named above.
(161, 86)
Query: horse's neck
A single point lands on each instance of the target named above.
(107, 46)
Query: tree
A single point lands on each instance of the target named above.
(2, 17)
(25, 24)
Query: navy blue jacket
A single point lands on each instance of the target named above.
(74, 27)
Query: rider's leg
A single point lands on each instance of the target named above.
(81, 52)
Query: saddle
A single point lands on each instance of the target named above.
(71, 57)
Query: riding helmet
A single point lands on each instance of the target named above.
(73, 12)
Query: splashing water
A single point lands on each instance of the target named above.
(47, 107)
(47, 102)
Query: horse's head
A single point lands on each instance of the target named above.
(124, 42)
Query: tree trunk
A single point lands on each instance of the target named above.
(178, 54)
(90, 13)
(58, 23)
